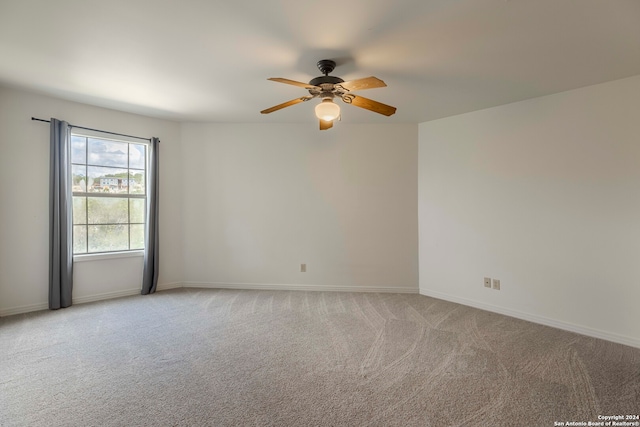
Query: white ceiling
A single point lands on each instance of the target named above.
(209, 60)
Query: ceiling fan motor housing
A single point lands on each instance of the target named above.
(319, 81)
(326, 66)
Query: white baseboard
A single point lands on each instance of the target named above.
(590, 332)
(295, 287)
(215, 285)
(167, 286)
(81, 300)
(23, 309)
(124, 293)
(106, 295)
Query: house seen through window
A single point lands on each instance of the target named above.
(109, 194)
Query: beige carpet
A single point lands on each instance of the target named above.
(192, 357)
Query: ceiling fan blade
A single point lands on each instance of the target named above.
(369, 104)
(286, 104)
(293, 82)
(325, 124)
(361, 84)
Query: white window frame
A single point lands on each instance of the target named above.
(91, 256)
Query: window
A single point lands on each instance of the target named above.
(109, 194)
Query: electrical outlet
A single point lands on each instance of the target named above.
(496, 284)
(303, 268)
(487, 282)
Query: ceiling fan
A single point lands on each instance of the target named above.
(329, 87)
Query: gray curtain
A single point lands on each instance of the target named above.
(60, 217)
(150, 275)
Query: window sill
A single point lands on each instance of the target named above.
(110, 255)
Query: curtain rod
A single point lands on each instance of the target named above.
(96, 130)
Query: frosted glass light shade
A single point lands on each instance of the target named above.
(327, 110)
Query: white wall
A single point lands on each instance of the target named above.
(261, 199)
(545, 196)
(24, 212)
(258, 201)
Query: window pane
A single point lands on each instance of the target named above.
(137, 209)
(137, 182)
(105, 166)
(108, 210)
(137, 236)
(103, 152)
(137, 156)
(106, 238)
(79, 174)
(79, 239)
(107, 180)
(79, 210)
(78, 149)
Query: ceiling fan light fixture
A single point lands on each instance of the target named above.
(327, 110)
